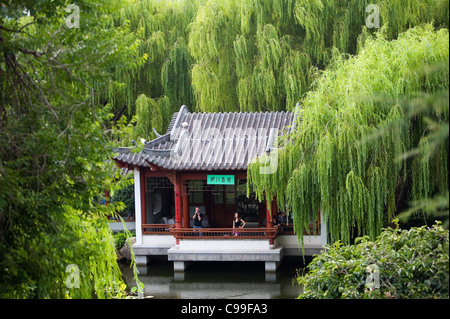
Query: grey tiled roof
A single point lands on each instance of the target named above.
(210, 141)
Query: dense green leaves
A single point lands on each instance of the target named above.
(223, 56)
(344, 157)
(398, 264)
(54, 148)
(161, 28)
(126, 196)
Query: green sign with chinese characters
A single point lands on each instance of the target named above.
(220, 179)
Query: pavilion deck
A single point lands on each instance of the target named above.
(185, 245)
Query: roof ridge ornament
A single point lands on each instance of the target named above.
(175, 129)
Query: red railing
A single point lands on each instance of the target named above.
(225, 233)
(157, 229)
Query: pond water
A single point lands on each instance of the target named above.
(218, 280)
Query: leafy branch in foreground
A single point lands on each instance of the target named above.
(54, 148)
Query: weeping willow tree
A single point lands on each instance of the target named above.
(329, 164)
(211, 45)
(246, 55)
(263, 55)
(149, 116)
(161, 28)
(175, 77)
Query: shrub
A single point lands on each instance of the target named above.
(125, 195)
(119, 239)
(398, 264)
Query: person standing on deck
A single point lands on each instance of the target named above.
(197, 218)
(238, 222)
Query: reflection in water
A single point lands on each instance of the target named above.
(218, 280)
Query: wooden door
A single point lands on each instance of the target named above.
(223, 205)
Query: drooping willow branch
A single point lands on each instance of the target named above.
(352, 182)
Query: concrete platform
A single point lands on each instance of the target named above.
(149, 250)
(220, 250)
(192, 250)
(157, 245)
(175, 253)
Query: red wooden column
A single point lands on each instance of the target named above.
(185, 211)
(271, 210)
(175, 179)
(178, 203)
(107, 199)
(274, 207)
(269, 222)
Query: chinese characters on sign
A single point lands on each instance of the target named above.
(220, 179)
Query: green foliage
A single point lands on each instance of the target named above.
(279, 44)
(410, 263)
(120, 238)
(55, 146)
(329, 163)
(148, 115)
(58, 86)
(161, 28)
(126, 196)
(213, 32)
(176, 79)
(248, 54)
(223, 56)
